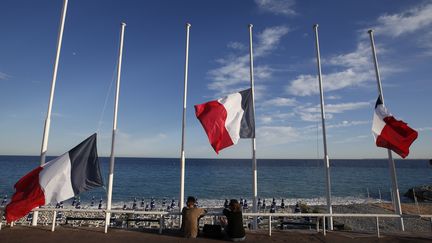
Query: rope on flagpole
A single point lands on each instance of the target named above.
(108, 93)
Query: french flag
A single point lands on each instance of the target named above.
(228, 119)
(60, 179)
(391, 133)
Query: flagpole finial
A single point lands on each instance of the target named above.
(188, 25)
(370, 31)
(315, 26)
(123, 24)
(250, 25)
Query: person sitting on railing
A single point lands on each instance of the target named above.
(190, 218)
(245, 204)
(134, 205)
(78, 204)
(297, 208)
(4, 200)
(234, 224)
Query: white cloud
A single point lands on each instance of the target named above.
(357, 66)
(342, 107)
(422, 129)
(414, 19)
(236, 45)
(306, 85)
(350, 139)
(274, 135)
(275, 117)
(348, 124)
(357, 70)
(4, 76)
(311, 116)
(138, 146)
(332, 97)
(313, 113)
(361, 57)
(303, 85)
(280, 101)
(269, 39)
(265, 119)
(269, 135)
(278, 7)
(234, 69)
(425, 41)
(58, 115)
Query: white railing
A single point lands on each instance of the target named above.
(161, 214)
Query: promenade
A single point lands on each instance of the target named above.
(25, 234)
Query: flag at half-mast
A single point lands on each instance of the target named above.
(391, 133)
(57, 180)
(227, 119)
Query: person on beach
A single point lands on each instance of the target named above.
(190, 218)
(226, 203)
(234, 221)
(4, 200)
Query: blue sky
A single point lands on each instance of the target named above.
(287, 99)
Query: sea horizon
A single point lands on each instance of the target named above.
(214, 180)
(212, 158)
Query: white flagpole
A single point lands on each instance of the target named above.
(326, 157)
(254, 162)
(114, 131)
(44, 147)
(392, 167)
(182, 155)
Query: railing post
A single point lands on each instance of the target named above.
(377, 225)
(161, 222)
(34, 221)
(324, 225)
(1, 218)
(54, 221)
(431, 222)
(270, 225)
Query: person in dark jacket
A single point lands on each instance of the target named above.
(234, 227)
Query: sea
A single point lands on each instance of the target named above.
(212, 181)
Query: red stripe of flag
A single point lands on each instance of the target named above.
(397, 136)
(28, 195)
(212, 116)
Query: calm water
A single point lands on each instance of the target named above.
(212, 180)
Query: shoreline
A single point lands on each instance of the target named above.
(387, 225)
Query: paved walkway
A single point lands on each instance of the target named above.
(29, 234)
